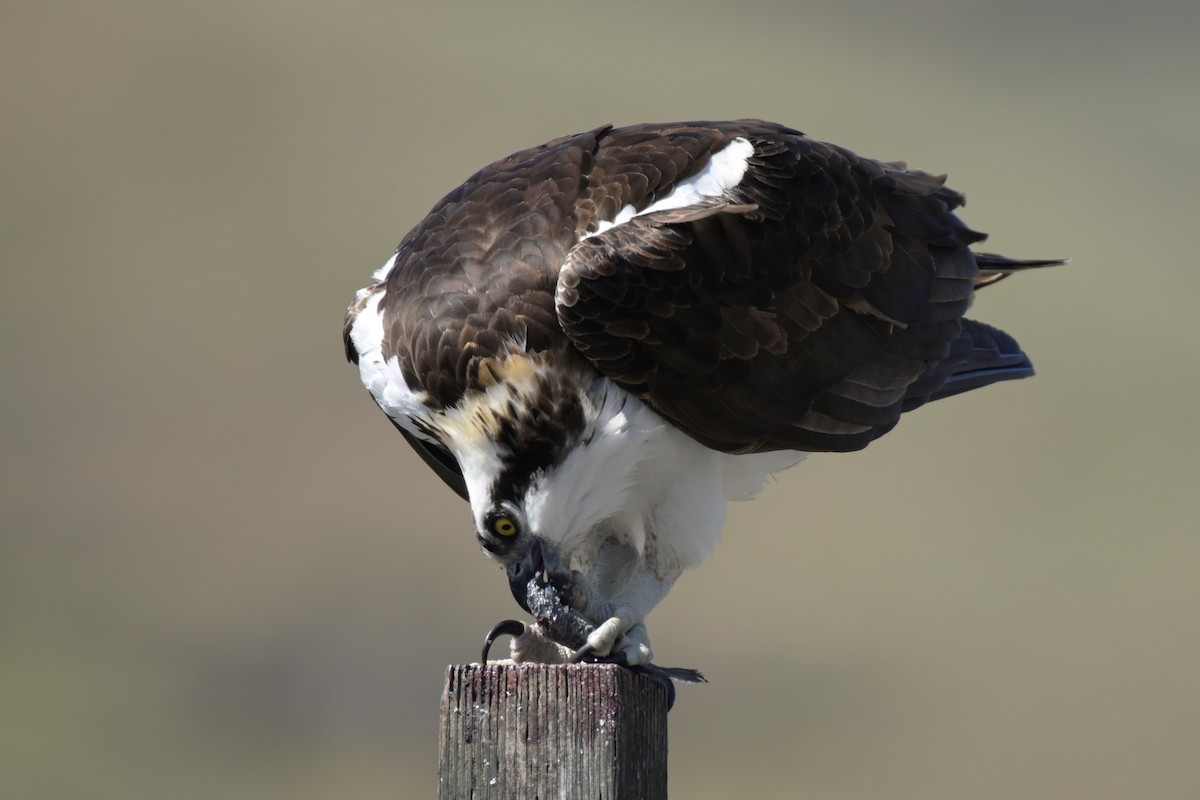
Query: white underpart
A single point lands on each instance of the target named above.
(655, 491)
(647, 482)
(743, 476)
(723, 172)
(596, 482)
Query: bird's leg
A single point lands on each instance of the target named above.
(622, 635)
(598, 611)
(562, 633)
(565, 603)
(529, 644)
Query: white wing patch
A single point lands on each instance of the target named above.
(723, 172)
(383, 377)
(382, 273)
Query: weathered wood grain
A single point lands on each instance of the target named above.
(552, 731)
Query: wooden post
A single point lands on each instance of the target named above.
(552, 731)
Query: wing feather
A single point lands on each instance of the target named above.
(806, 309)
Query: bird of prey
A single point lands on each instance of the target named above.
(599, 341)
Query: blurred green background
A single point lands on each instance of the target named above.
(222, 574)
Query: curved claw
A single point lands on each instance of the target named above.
(507, 627)
(583, 652)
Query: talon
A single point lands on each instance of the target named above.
(588, 652)
(582, 653)
(620, 659)
(508, 627)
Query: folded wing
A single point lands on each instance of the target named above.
(807, 308)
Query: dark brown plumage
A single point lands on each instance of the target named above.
(599, 341)
(805, 309)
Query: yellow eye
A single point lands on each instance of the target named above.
(503, 526)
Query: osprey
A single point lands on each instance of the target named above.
(599, 341)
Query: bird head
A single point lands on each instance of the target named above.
(549, 461)
(526, 557)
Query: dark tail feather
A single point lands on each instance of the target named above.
(988, 355)
(994, 268)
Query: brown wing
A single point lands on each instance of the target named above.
(806, 310)
(479, 271)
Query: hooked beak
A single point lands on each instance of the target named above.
(540, 562)
(521, 572)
